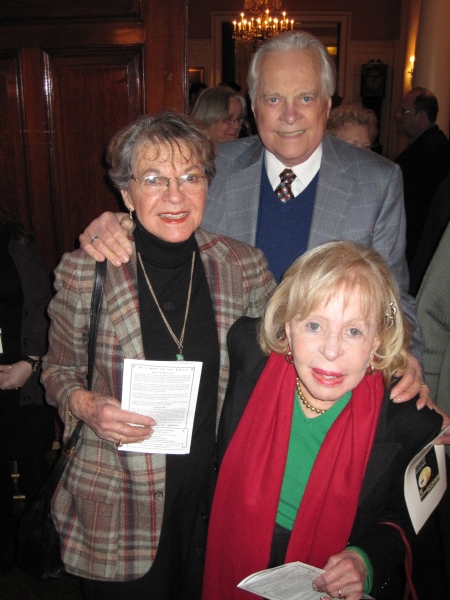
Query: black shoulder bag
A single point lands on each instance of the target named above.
(38, 545)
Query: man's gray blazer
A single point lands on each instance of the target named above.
(359, 198)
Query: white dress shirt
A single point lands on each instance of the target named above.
(305, 171)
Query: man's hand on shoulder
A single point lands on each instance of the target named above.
(106, 237)
(411, 384)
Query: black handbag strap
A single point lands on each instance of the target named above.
(96, 304)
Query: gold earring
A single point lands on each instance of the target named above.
(289, 357)
(131, 215)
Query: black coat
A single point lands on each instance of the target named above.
(437, 219)
(36, 297)
(402, 431)
(424, 164)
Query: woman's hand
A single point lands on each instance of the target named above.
(16, 375)
(110, 231)
(411, 384)
(105, 417)
(343, 578)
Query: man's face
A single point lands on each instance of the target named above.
(408, 122)
(290, 107)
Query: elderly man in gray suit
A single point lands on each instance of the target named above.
(292, 187)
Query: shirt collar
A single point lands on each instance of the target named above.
(305, 171)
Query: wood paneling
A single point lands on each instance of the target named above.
(46, 10)
(71, 75)
(14, 188)
(90, 96)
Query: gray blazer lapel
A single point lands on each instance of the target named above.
(243, 190)
(334, 189)
(123, 307)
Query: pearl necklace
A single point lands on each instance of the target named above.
(304, 401)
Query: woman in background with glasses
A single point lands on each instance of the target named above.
(223, 112)
(127, 519)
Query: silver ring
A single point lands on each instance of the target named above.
(94, 239)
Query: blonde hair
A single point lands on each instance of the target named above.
(320, 273)
(356, 116)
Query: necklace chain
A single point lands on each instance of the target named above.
(178, 342)
(320, 411)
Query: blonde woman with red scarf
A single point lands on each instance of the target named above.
(315, 464)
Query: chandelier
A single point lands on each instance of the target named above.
(261, 25)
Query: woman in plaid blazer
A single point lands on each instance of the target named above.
(127, 520)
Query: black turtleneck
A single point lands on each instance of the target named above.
(168, 267)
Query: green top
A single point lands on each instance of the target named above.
(306, 438)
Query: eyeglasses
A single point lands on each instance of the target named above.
(233, 120)
(403, 111)
(152, 185)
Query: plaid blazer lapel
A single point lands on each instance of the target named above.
(240, 284)
(121, 298)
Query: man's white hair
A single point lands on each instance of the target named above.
(289, 41)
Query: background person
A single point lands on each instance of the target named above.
(127, 520)
(27, 424)
(435, 224)
(424, 162)
(354, 125)
(312, 455)
(433, 311)
(223, 112)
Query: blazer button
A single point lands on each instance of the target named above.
(27, 398)
(159, 495)
(201, 551)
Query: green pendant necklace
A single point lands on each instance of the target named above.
(178, 342)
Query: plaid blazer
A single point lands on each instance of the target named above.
(109, 506)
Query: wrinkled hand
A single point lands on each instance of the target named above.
(112, 243)
(411, 384)
(345, 573)
(106, 418)
(14, 376)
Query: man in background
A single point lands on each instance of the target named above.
(424, 162)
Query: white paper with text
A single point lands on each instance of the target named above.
(166, 391)
(292, 581)
(425, 482)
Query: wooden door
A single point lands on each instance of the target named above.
(71, 75)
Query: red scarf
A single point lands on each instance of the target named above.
(248, 490)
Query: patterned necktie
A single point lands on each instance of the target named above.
(283, 189)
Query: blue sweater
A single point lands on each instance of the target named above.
(283, 228)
